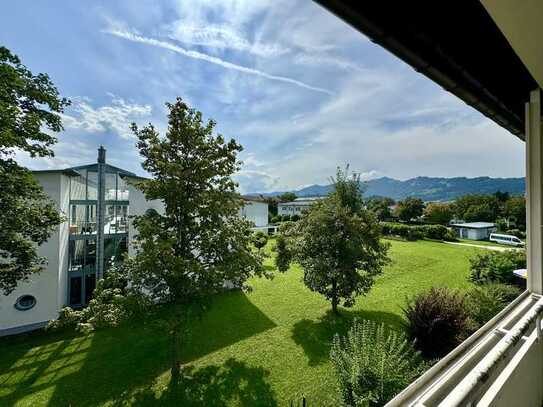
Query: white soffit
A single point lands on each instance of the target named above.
(521, 21)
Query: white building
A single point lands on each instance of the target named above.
(256, 211)
(96, 201)
(474, 230)
(296, 207)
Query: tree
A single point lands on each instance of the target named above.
(477, 208)
(515, 209)
(337, 243)
(199, 245)
(260, 239)
(287, 197)
(30, 108)
(437, 212)
(381, 207)
(409, 208)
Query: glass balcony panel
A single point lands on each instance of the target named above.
(92, 185)
(78, 187)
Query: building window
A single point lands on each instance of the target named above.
(25, 302)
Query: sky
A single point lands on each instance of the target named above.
(301, 90)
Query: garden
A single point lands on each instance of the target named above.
(268, 347)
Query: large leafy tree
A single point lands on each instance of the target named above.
(30, 108)
(199, 244)
(409, 208)
(338, 244)
(439, 212)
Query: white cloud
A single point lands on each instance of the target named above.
(222, 37)
(256, 181)
(115, 118)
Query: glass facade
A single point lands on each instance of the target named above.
(84, 223)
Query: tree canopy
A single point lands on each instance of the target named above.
(30, 108)
(199, 244)
(409, 208)
(337, 243)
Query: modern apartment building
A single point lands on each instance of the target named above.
(296, 207)
(96, 201)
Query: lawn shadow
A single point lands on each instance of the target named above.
(315, 337)
(210, 386)
(90, 370)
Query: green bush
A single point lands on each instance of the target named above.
(276, 219)
(260, 239)
(295, 218)
(485, 301)
(414, 234)
(437, 321)
(497, 267)
(437, 232)
(517, 232)
(373, 363)
(450, 236)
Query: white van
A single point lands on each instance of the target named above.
(506, 239)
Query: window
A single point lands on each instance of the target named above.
(25, 302)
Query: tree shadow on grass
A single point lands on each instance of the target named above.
(315, 337)
(68, 369)
(212, 386)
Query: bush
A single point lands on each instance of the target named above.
(497, 267)
(295, 218)
(437, 232)
(450, 236)
(373, 364)
(517, 232)
(284, 255)
(260, 239)
(437, 321)
(485, 301)
(276, 219)
(414, 234)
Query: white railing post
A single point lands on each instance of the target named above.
(534, 193)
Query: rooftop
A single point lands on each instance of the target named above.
(474, 225)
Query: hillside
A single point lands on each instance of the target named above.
(425, 188)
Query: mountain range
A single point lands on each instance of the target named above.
(425, 188)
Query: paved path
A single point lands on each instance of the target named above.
(495, 248)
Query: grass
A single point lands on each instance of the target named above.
(264, 348)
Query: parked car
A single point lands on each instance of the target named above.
(505, 239)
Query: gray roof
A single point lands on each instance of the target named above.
(474, 225)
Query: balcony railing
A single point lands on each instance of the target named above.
(500, 365)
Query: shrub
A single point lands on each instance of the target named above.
(295, 218)
(414, 234)
(437, 321)
(485, 301)
(450, 236)
(437, 232)
(284, 255)
(260, 239)
(276, 219)
(373, 363)
(517, 232)
(494, 266)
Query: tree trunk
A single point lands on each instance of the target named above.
(176, 349)
(335, 300)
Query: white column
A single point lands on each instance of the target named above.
(534, 191)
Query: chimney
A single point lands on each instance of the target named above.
(102, 155)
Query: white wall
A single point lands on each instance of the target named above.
(43, 286)
(256, 212)
(138, 206)
(283, 209)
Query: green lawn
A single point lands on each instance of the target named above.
(258, 349)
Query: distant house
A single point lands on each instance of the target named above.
(296, 207)
(256, 212)
(474, 230)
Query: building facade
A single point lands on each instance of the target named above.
(256, 212)
(474, 230)
(296, 207)
(96, 201)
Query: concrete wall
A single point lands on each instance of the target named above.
(256, 212)
(46, 286)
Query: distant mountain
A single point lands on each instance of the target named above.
(425, 188)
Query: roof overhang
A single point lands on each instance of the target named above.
(456, 44)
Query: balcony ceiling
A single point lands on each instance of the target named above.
(456, 44)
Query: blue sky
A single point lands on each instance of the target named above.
(301, 91)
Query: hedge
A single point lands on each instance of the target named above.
(436, 232)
